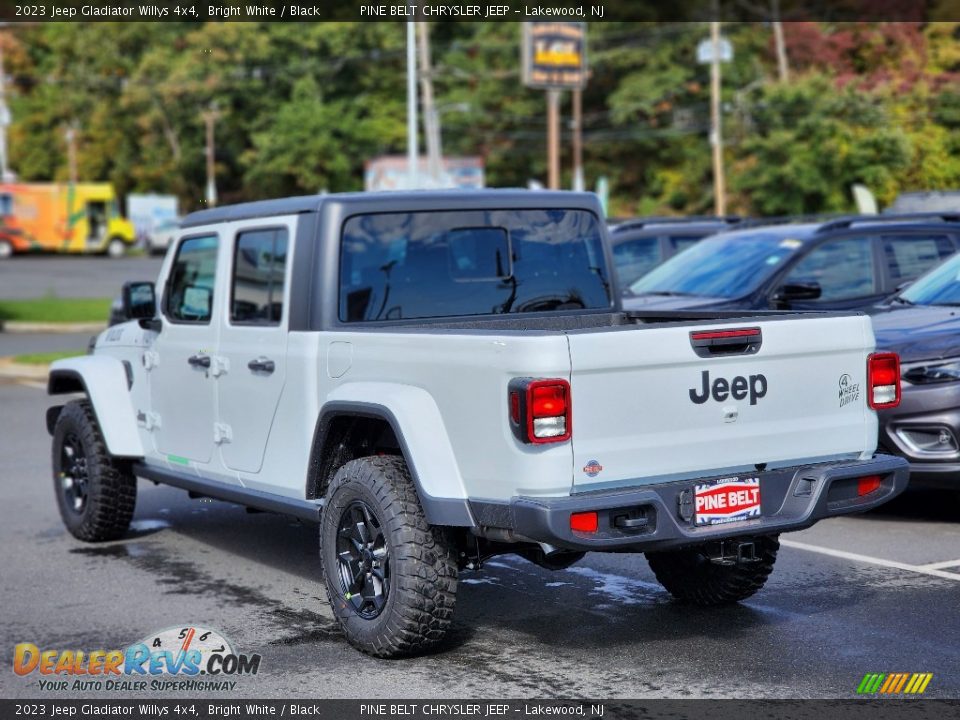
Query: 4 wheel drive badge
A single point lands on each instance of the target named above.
(849, 390)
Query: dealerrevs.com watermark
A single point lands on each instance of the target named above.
(178, 659)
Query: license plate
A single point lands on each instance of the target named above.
(726, 500)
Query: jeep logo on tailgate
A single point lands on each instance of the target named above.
(739, 388)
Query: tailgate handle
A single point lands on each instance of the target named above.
(738, 341)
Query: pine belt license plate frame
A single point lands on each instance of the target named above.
(720, 501)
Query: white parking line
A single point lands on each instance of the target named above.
(941, 565)
(922, 569)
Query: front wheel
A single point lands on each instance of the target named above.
(96, 494)
(391, 578)
(116, 248)
(691, 575)
(6, 249)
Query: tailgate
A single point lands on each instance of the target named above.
(648, 408)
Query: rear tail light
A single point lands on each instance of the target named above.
(883, 380)
(868, 484)
(540, 410)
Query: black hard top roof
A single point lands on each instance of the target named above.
(399, 201)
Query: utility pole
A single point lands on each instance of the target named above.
(5, 120)
(210, 117)
(716, 130)
(70, 135)
(578, 181)
(412, 150)
(783, 66)
(431, 120)
(553, 139)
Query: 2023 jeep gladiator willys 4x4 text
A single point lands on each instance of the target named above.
(436, 378)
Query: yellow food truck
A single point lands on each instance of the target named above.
(62, 217)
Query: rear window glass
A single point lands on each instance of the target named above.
(397, 266)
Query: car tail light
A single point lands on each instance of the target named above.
(587, 522)
(883, 380)
(540, 410)
(868, 484)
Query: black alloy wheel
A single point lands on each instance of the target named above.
(73, 474)
(363, 558)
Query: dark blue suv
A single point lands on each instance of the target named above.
(843, 263)
(640, 244)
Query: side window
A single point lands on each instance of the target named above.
(909, 256)
(682, 242)
(635, 258)
(189, 297)
(259, 265)
(842, 267)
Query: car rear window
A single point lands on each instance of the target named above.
(397, 266)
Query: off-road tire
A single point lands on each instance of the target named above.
(111, 490)
(422, 581)
(689, 575)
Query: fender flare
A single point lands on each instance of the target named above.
(418, 426)
(103, 379)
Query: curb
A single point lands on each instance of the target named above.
(17, 371)
(50, 327)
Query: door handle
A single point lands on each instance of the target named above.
(262, 364)
(199, 361)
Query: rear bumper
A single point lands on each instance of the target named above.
(791, 499)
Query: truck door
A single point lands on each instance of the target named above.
(253, 343)
(96, 223)
(181, 367)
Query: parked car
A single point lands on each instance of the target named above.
(404, 368)
(639, 245)
(841, 264)
(922, 324)
(159, 238)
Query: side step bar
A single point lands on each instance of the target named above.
(268, 502)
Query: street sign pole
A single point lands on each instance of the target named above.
(553, 139)
(412, 150)
(716, 131)
(554, 59)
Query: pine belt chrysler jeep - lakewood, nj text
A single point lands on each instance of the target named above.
(439, 377)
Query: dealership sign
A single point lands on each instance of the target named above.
(555, 55)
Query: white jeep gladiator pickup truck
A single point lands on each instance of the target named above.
(439, 377)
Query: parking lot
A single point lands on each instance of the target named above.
(36, 276)
(872, 593)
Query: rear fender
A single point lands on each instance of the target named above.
(419, 428)
(103, 380)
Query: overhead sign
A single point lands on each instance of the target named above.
(555, 55)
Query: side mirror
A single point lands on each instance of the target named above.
(139, 301)
(799, 291)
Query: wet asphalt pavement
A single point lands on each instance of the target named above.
(875, 593)
(72, 276)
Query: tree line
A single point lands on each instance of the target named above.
(301, 107)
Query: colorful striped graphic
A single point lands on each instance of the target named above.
(894, 683)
